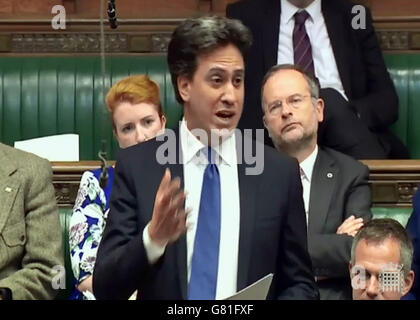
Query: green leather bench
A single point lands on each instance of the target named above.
(405, 72)
(65, 216)
(53, 95)
(44, 96)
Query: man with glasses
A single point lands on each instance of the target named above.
(336, 193)
(324, 38)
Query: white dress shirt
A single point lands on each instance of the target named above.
(194, 163)
(306, 169)
(324, 61)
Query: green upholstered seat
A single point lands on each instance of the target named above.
(53, 95)
(65, 216)
(405, 72)
(44, 96)
(400, 214)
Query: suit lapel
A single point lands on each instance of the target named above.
(247, 194)
(323, 182)
(8, 187)
(270, 32)
(335, 24)
(177, 170)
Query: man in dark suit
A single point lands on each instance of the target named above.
(343, 53)
(413, 228)
(252, 223)
(336, 193)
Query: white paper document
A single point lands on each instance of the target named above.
(63, 147)
(256, 291)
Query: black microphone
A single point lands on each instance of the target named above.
(103, 180)
(112, 14)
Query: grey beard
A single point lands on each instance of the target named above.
(293, 148)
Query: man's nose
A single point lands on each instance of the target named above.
(229, 94)
(372, 287)
(286, 109)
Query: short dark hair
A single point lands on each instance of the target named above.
(194, 37)
(312, 81)
(379, 230)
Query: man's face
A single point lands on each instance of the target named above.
(290, 114)
(213, 98)
(371, 259)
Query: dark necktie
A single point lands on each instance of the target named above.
(205, 261)
(301, 43)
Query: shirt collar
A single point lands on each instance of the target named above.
(288, 10)
(191, 146)
(307, 165)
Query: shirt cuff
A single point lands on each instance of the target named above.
(153, 250)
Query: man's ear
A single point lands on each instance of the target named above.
(408, 282)
(265, 125)
(350, 268)
(184, 85)
(320, 109)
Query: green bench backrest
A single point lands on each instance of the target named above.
(44, 96)
(405, 72)
(65, 216)
(53, 95)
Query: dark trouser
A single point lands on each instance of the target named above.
(335, 289)
(343, 131)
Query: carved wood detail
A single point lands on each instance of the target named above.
(393, 182)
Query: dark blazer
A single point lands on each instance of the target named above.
(339, 189)
(360, 63)
(413, 227)
(272, 231)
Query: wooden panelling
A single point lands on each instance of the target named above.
(393, 182)
(146, 25)
(27, 8)
(141, 9)
(388, 8)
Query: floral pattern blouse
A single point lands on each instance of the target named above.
(87, 225)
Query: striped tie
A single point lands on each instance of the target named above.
(301, 43)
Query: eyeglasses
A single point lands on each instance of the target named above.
(295, 101)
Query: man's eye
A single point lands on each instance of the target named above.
(237, 81)
(296, 100)
(275, 106)
(216, 80)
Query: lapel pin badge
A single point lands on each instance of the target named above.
(329, 175)
(8, 189)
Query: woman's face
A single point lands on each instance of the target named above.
(135, 123)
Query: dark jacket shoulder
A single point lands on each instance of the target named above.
(344, 161)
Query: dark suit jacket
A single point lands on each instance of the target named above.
(413, 227)
(339, 189)
(272, 231)
(360, 63)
